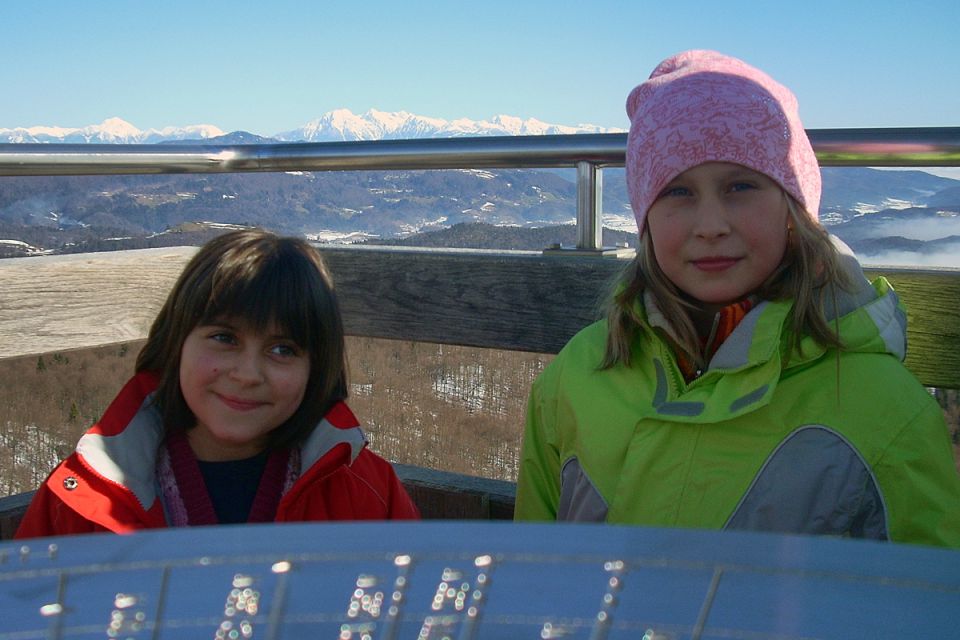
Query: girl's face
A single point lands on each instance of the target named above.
(718, 231)
(240, 385)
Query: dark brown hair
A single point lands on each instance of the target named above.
(264, 280)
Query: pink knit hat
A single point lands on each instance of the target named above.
(703, 106)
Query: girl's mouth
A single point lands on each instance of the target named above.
(717, 263)
(239, 404)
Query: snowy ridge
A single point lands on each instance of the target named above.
(111, 130)
(343, 124)
(337, 125)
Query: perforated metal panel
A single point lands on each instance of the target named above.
(473, 580)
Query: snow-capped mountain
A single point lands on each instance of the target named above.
(337, 125)
(112, 130)
(343, 124)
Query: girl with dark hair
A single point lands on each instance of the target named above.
(236, 412)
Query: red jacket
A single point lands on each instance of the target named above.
(109, 484)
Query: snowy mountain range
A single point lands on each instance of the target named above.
(337, 125)
(112, 131)
(342, 124)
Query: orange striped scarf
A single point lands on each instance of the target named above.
(727, 320)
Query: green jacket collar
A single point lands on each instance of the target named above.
(744, 373)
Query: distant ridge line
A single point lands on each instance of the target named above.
(337, 125)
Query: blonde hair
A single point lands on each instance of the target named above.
(809, 272)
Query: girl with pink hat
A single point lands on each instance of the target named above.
(747, 375)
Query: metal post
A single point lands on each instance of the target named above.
(589, 217)
(589, 206)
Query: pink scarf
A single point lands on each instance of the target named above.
(185, 493)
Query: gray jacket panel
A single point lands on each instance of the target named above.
(814, 482)
(579, 499)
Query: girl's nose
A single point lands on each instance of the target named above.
(711, 219)
(247, 369)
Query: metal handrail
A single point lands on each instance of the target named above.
(589, 153)
(922, 146)
(367, 155)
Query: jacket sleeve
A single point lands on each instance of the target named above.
(920, 482)
(399, 504)
(538, 484)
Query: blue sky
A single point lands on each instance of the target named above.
(274, 65)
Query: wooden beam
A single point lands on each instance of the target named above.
(932, 299)
(517, 301)
(507, 300)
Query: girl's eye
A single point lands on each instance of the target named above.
(223, 337)
(741, 186)
(285, 350)
(674, 192)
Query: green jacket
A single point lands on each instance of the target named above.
(753, 443)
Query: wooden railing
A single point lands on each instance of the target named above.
(504, 300)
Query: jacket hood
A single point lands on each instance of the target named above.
(870, 317)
